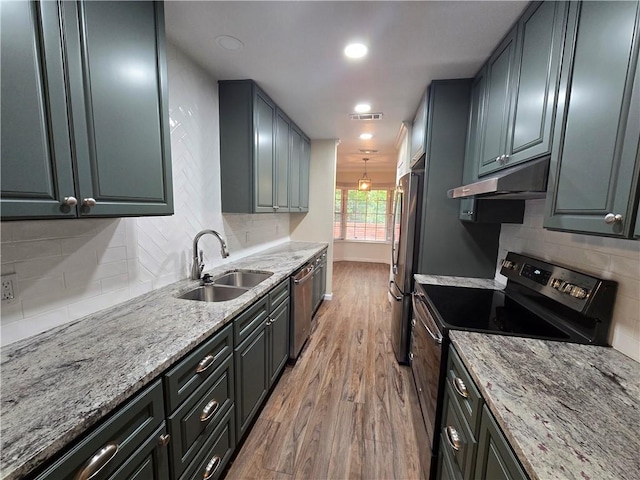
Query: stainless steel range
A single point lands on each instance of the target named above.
(540, 300)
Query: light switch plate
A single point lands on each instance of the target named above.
(8, 290)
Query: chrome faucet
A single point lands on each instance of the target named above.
(198, 263)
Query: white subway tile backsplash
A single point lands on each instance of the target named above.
(70, 268)
(609, 258)
(114, 254)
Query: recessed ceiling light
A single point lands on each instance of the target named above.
(366, 136)
(229, 43)
(355, 50)
(362, 108)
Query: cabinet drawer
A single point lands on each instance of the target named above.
(196, 419)
(246, 323)
(123, 433)
(183, 379)
(216, 453)
(278, 295)
(446, 470)
(456, 439)
(463, 390)
(150, 461)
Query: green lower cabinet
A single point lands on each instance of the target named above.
(127, 444)
(252, 377)
(495, 460)
(278, 333)
(594, 159)
(150, 461)
(194, 422)
(216, 452)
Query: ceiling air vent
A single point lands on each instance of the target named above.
(365, 116)
(368, 151)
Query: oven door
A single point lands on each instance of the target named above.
(426, 356)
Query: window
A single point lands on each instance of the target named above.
(360, 215)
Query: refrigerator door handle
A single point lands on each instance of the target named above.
(396, 297)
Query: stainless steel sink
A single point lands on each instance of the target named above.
(213, 293)
(227, 286)
(242, 278)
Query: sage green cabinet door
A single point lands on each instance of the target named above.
(305, 166)
(252, 378)
(472, 151)
(264, 120)
(535, 86)
(495, 460)
(36, 151)
(281, 179)
(498, 103)
(118, 89)
(419, 129)
(295, 164)
(597, 123)
(278, 332)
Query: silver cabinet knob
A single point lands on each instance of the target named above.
(611, 218)
(498, 158)
(89, 202)
(70, 201)
(163, 440)
(468, 212)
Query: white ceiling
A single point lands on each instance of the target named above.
(293, 50)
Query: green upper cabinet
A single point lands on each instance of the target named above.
(522, 80)
(283, 153)
(264, 122)
(36, 150)
(111, 88)
(261, 155)
(499, 73)
(419, 129)
(594, 162)
(305, 167)
(472, 150)
(295, 143)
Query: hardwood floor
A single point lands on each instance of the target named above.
(346, 409)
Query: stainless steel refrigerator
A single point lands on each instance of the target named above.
(428, 236)
(404, 258)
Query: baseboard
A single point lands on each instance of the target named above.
(362, 260)
(328, 296)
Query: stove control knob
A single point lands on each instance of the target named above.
(508, 264)
(555, 283)
(578, 292)
(566, 287)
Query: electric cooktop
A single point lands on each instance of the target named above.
(540, 300)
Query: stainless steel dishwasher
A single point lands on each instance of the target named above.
(302, 309)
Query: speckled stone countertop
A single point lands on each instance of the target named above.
(569, 411)
(61, 382)
(467, 282)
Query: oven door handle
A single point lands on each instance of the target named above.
(397, 298)
(423, 315)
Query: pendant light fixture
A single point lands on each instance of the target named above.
(365, 182)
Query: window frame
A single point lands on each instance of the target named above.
(390, 189)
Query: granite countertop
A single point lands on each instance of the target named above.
(61, 382)
(569, 411)
(467, 282)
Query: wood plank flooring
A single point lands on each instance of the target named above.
(346, 409)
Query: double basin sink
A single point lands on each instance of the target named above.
(227, 286)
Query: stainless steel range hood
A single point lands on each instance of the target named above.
(520, 182)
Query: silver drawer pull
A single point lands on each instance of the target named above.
(97, 462)
(453, 438)
(164, 439)
(460, 387)
(209, 410)
(212, 466)
(205, 363)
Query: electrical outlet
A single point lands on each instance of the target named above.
(7, 288)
